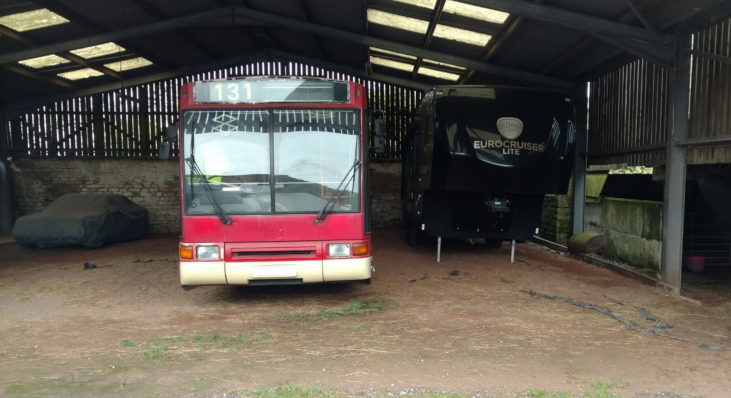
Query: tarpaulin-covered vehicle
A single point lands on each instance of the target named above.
(85, 219)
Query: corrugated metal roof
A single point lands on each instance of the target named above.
(537, 42)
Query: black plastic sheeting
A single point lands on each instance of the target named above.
(83, 219)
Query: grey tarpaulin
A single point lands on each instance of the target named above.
(83, 219)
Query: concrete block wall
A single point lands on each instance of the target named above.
(556, 218)
(154, 184)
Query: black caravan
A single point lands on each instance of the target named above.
(478, 161)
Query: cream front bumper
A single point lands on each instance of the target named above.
(197, 273)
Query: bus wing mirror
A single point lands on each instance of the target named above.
(171, 133)
(164, 151)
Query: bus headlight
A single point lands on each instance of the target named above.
(338, 250)
(207, 252)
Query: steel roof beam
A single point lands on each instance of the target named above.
(571, 19)
(38, 76)
(249, 35)
(659, 56)
(155, 27)
(263, 37)
(716, 57)
(160, 16)
(706, 18)
(641, 16)
(405, 49)
(495, 45)
(306, 18)
(579, 48)
(438, 8)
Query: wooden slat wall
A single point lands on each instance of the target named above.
(629, 107)
(627, 112)
(710, 111)
(129, 122)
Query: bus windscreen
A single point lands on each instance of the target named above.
(271, 161)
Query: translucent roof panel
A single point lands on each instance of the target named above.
(24, 21)
(44, 62)
(438, 74)
(470, 11)
(462, 9)
(392, 64)
(98, 50)
(80, 74)
(400, 55)
(430, 4)
(461, 35)
(431, 61)
(397, 21)
(133, 63)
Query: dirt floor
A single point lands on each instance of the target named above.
(466, 325)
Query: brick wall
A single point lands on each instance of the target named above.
(149, 183)
(154, 184)
(386, 192)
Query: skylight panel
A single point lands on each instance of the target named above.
(98, 50)
(24, 21)
(431, 61)
(392, 64)
(397, 21)
(394, 53)
(44, 62)
(128, 64)
(430, 4)
(438, 74)
(80, 74)
(470, 11)
(461, 35)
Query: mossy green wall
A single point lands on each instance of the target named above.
(636, 217)
(633, 226)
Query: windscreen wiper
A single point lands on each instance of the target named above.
(338, 192)
(196, 171)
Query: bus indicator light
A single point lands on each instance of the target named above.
(361, 249)
(186, 252)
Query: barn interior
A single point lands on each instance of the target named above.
(88, 88)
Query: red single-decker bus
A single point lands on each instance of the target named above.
(274, 182)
